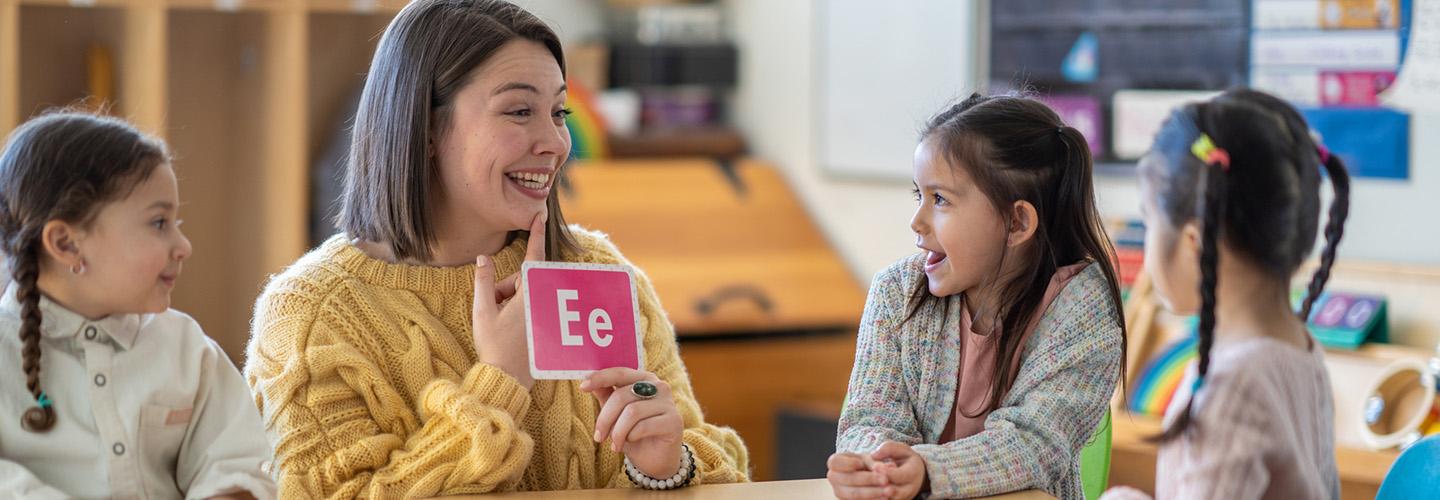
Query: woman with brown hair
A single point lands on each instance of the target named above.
(390, 361)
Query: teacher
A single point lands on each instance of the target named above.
(390, 362)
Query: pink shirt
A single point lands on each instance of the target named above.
(1264, 428)
(978, 355)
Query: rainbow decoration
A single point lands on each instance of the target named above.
(587, 126)
(1161, 378)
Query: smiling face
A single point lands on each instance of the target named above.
(955, 223)
(503, 141)
(132, 251)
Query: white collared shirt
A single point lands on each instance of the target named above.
(146, 406)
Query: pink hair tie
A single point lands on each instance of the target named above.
(1205, 149)
(1324, 153)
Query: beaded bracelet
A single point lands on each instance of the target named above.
(681, 478)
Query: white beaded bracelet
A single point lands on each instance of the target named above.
(681, 478)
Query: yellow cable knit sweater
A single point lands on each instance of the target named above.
(367, 378)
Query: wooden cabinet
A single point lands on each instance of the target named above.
(728, 246)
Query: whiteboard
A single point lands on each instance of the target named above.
(882, 70)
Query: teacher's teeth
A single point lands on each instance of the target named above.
(530, 180)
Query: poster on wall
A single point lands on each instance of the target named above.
(1418, 86)
(1115, 71)
(1334, 59)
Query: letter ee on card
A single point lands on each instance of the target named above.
(580, 318)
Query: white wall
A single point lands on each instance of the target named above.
(774, 105)
(572, 20)
(868, 221)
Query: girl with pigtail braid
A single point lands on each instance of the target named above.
(25, 271)
(121, 396)
(1231, 202)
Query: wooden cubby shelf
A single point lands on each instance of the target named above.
(248, 94)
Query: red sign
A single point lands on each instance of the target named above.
(580, 318)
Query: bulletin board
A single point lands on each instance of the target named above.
(1332, 58)
(1114, 68)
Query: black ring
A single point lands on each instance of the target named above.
(644, 390)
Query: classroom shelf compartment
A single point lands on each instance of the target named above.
(341, 45)
(351, 6)
(362, 7)
(216, 127)
(54, 62)
(247, 93)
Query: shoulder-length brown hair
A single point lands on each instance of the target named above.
(424, 58)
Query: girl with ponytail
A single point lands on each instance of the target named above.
(109, 393)
(1231, 202)
(985, 362)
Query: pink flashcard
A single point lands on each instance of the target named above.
(580, 318)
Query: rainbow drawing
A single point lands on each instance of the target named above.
(1161, 378)
(587, 126)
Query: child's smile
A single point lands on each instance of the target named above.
(133, 251)
(952, 223)
(933, 260)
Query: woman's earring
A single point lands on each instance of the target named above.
(78, 269)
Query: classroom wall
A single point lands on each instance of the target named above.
(774, 105)
(572, 20)
(868, 221)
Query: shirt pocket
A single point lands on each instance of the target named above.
(162, 431)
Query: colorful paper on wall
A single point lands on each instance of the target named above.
(1082, 64)
(1285, 14)
(1138, 114)
(1418, 85)
(1325, 14)
(1353, 88)
(1378, 50)
(1083, 113)
(1319, 87)
(1300, 86)
(1336, 69)
(1359, 14)
(1373, 142)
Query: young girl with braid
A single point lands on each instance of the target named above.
(107, 391)
(1231, 204)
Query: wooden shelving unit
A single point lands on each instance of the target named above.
(246, 92)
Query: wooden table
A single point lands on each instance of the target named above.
(809, 488)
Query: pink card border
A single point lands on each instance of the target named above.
(539, 374)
